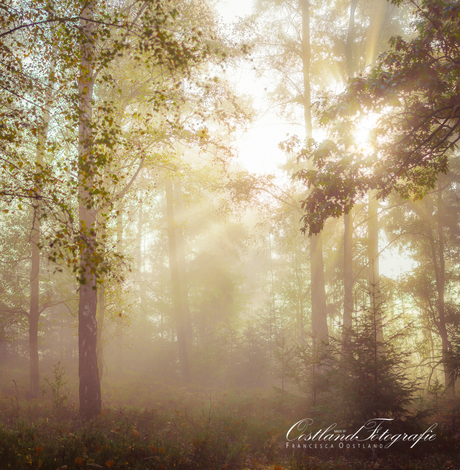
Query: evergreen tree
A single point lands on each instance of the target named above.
(369, 376)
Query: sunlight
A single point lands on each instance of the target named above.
(362, 136)
(231, 10)
(257, 147)
(366, 124)
(394, 264)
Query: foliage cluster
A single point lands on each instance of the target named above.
(412, 92)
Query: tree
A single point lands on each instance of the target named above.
(371, 384)
(428, 229)
(176, 285)
(147, 33)
(413, 91)
(34, 310)
(288, 52)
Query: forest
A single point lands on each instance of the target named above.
(163, 306)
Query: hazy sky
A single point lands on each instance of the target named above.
(258, 148)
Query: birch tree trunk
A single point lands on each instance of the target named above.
(90, 389)
(34, 310)
(181, 257)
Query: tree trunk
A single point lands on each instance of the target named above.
(306, 59)
(318, 291)
(347, 278)
(440, 273)
(374, 271)
(90, 389)
(101, 310)
(377, 20)
(139, 265)
(300, 320)
(349, 52)
(34, 311)
(180, 239)
(319, 328)
(100, 329)
(175, 283)
(119, 319)
(347, 320)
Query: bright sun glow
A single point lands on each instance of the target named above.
(258, 150)
(231, 10)
(366, 124)
(394, 265)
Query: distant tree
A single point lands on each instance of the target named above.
(428, 229)
(285, 43)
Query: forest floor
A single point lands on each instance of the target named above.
(153, 426)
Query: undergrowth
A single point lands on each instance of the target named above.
(185, 429)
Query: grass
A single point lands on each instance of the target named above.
(185, 428)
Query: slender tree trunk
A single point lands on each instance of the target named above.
(432, 350)
(175, 283)
(348, 218)
(90, 389)
(347, 278)
(320, 332)
(306, 59)
(101, 310)
(180, 239)
(350, 56)
(34, 311)
(300, 295)
(100, 329)
(375, 28)
(318, 291)
(139, 254)
(374, 271)
(377, 20)
(119, 321)
(273, 320)
(440, 273)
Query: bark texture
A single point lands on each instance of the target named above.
(34, 310)
(318, 291)
(89, 389)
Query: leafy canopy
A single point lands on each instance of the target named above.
(414, 91)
